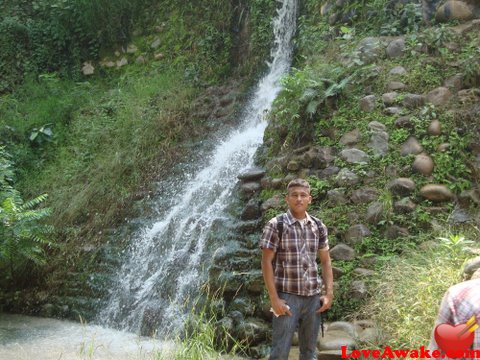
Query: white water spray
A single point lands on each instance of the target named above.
(167, 262)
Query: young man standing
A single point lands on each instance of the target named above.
(289, 267)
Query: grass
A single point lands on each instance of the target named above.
(407, 294)
(108, 139)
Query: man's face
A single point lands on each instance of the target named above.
(298, 199)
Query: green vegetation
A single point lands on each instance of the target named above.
(405, 299)
(23, 233)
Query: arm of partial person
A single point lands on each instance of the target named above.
(278, 305)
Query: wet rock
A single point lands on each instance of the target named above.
(253, 330)
(412, 101)
(356, 233)
(394, 232)
(250, 188)
(351, 138)
(367, 103)
(374, 213)
(252, 174)
(397, 70)
(401, 186)
(439, 96)
(242, 304)
(454, 10)
(379, 142)
(435, 128)
(364, 195)
(411, 146)
(354, 156)
(347, 178)
(404, 206)
(358, 290)
(251, 211)
(396, 48)
(423, 164)
(436, 192)
(342, 252)
(389, 98)
(396, 85)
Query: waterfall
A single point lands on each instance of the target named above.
(167, 262)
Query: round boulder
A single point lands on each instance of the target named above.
(396, 48)
(454, 10)
(435, 128)
(423, 164)
(436, 192)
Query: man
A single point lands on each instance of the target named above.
(291, 275)
(459, 304)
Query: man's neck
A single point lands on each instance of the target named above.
(300, 216)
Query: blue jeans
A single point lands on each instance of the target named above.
(303, 314)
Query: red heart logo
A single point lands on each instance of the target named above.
(450, 338)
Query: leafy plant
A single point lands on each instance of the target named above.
(454, 244)
(23, 236)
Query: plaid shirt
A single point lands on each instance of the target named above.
(459, 303)
(295, 259)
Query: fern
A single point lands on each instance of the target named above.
(23, 236)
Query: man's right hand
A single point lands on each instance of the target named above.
(279, 306)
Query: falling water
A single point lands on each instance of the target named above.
(167, 261)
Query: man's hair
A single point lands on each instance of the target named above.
(298, 183)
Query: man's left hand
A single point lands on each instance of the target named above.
(326, 301)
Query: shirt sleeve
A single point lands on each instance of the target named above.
(323, 238)
(269, 238)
